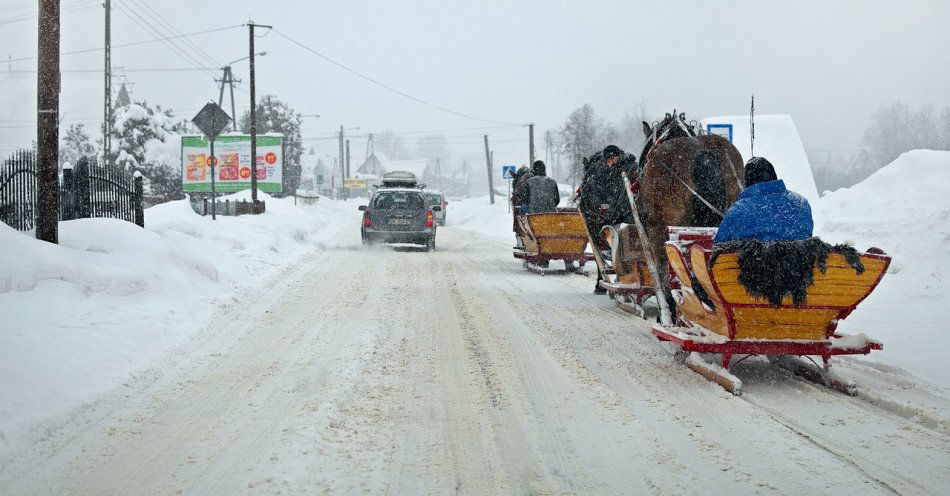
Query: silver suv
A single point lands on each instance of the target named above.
(399, 215)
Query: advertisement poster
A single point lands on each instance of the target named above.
(232, 163)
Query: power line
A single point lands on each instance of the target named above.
(152, 13)
(387, 87)
(134, 43)
(69, 7)
(131, 12)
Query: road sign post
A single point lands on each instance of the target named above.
(211, 120)
(211, 163)
(508, 172)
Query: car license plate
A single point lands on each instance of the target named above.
(399, 222)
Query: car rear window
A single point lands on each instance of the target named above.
(398, 199)
(434, 199)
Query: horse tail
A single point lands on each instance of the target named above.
(707, 177)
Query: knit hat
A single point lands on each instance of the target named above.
(759, 170)
(538, 168)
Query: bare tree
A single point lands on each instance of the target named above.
(390, 144)
(432, 147)
(898, 128)
(631, 137)
(581, 135)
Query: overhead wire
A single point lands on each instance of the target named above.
(134, 43)
(387, 87)
(150, 12)
(131, 12)
(67, 7)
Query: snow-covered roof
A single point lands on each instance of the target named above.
(417, 167)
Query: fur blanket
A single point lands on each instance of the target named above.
(775, 269)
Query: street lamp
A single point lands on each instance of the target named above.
(228, 78)
(261, 54)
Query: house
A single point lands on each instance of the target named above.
(378, 164)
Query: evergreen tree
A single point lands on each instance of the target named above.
(148, 140)
(75, 145)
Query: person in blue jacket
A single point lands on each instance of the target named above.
(765, 210)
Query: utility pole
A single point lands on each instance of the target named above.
(347, 158)
(491, 185)
(250, 31)
(107, 102)
(530, 144)
(342, 164)
(438, 171)
(47, 122)
(227, 78)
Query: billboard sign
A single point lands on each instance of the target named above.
(354, 183)
(232, 163)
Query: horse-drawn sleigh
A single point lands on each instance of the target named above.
(552, 236)
(708, 299)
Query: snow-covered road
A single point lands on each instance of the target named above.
(404, 372)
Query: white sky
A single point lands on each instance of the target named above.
(829, 64)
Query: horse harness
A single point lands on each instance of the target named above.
(635, 186)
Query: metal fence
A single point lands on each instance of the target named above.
(86, 190)
(18, 190)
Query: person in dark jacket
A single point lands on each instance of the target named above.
(603, 194)
(541, 193)
(518, 191)
(765, 210)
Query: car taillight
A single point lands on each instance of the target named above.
(429, 218)
(366, 221)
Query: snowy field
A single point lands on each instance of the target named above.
(273, 354)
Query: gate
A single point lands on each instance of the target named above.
(85, 191)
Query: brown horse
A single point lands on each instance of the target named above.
(686, 179)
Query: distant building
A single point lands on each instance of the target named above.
(378, 164)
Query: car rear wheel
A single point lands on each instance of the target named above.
(430, 244)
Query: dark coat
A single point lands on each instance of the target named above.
(767, 212)
(541, 195)
(518, 186)
(603, 185)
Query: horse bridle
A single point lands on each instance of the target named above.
(656, 143)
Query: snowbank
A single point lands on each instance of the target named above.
(777, 139)
(80, 317)
(478, 215)
(904, 209)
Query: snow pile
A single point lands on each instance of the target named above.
(80, 317)
(479, 216)
(776, 139)
(904, 209)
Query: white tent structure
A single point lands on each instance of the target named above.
(776, 139)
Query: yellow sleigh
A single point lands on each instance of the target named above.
(553, 236)
(731, 322)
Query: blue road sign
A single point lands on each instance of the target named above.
(724, 130)
(508, 171)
